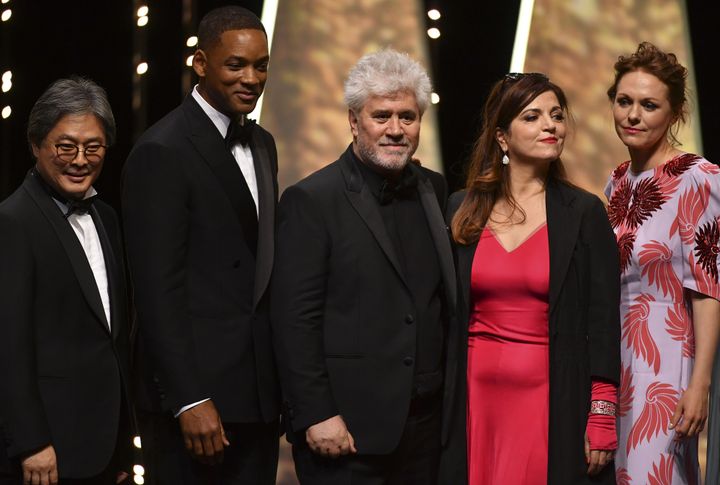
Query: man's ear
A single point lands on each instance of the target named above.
(352, 118)
(199, 63)
(501, 138)
(35, 150)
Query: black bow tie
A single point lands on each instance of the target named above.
(239, 133)
(403, 189)
(79, 207)
(73, 206)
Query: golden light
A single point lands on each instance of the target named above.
(433, 32)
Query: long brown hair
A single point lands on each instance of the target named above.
(487, 180)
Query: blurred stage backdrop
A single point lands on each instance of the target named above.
(138, 50)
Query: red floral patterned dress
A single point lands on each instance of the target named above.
(666, 223)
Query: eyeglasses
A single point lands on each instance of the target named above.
(67, 152)
(514, 76)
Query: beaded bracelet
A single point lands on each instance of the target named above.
(602, 407)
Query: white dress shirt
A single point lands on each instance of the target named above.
(86, 232)
(242, 154)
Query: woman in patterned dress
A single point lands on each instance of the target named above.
(663, 206)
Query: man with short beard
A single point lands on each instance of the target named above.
(363, 292)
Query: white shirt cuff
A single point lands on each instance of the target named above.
(189, 406)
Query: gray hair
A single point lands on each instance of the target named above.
(383, 73)
(72, 96)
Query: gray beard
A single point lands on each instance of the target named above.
(371, 157)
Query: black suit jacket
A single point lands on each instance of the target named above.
(63, 373)
(340, 305)
(199, 289)
(584, 326)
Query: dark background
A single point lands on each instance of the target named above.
(46, 40)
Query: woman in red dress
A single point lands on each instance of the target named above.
(539, 279)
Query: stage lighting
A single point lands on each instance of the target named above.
(188, 61)
(142, 68)
(4, 1)
(434, 98)
(138, 470)
(6, 112)
(138, 479)
(434, 14)
(142, 11)
(191, 41)
(142, 21)
(6, 81)
(136, 442)
(6, 15)
(433, 32)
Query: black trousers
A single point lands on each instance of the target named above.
(414, 462)
(251, 457)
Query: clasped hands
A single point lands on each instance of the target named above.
(330, 438)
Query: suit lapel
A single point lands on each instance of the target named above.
(563, 226)
(111, 269)
(266, 224)
(439, 233)
(208, 141)
(72, 246)
(366, 206)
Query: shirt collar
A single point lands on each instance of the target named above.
(62, 204)
(220, 120)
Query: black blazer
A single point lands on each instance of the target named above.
(584, 325)
(340, 305)
(199, 289)
(63, 372)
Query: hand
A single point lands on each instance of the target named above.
(203, 433)
(691, 413)
(596, 459)
(330, 438)
(40, 468)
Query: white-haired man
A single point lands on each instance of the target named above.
(364, 288)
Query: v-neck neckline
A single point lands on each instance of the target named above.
(527, 238)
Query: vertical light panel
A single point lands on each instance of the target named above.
(522, 33)
(269, 15)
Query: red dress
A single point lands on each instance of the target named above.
(508, 367)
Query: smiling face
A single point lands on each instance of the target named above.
(642, 111)
(233, 71)
(386, 131)
(71, 179)
(537, 134)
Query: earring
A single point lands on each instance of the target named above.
(505, 159)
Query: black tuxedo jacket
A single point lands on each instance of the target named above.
(63, 372)
(343, 339)
(584, 326)
(199, 288)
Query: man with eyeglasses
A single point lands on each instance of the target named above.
(64, 337)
